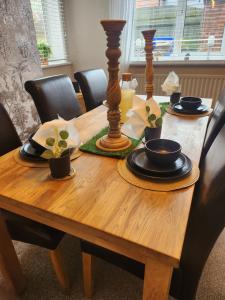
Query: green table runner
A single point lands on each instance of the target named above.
(90, 146)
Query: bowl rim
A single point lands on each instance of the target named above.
(171, 152)
(197, 99)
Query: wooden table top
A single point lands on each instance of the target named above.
(98, 198)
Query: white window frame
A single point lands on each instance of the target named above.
(48, 24)
(177, 57)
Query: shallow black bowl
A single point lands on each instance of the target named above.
(162, 151)
(39, 149)
(190, 102)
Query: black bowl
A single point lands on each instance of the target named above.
(162, 151)
(39, 149)
(190, 102)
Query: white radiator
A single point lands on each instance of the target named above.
(198, 85)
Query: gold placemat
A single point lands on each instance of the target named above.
(126, 174)
(172, 112)
(31, 164)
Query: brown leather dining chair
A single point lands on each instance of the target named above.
(23, 229)
(216, 123)
(206, 222)
(93, 84)
(54, 96)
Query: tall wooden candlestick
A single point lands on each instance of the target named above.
(148, 36)
(114, 141)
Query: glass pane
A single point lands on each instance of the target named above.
(204, 27)
(192, 26)
(48, 16)
(159, 15)
(38, 17)
(185, 29)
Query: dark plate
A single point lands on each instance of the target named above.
(184, 171)
(27, 151)
(200, 110)
(143, 164)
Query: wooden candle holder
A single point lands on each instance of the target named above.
(148, 36)
(114, 141)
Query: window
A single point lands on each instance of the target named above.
(185, 29)
(48, 16)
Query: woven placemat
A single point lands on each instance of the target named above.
(31, 164)
(126, 174)
(172, 112)
(90, 146)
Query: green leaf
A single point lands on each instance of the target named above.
(162, 111)
(147, 108)
(64, 134)
(50, 141)
(47, 154)
(163, 107)
(158, 122)
(62, 144)
(152, 117)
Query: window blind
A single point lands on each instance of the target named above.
(48, 16)
(185, 29)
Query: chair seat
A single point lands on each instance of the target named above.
(28, 231)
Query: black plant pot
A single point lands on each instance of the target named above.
(60, 167)
(152, 133)
(174, 98)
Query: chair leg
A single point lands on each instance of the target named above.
(87, 260)
(61, 275)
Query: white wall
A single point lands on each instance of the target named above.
(86, 37)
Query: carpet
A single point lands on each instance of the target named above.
(111, 283)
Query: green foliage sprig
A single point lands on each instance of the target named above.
(44, 50)
(57, 143)
(152, 119)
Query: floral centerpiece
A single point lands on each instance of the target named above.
(147, 117)
(57, 143)
(154, 118)
(60, 138)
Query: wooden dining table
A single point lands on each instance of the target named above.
(99, 206)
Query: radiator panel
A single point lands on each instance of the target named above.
(197, 85)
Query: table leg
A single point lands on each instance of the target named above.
(9, 264)
(157, 280)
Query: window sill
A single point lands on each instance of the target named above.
(190, 63)
(55, 65)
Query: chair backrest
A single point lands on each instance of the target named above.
(93, 84)
(9, 138)
(216, 123)
(54, 96)
(207, 217)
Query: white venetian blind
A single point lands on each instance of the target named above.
(48, 16)
(185, 29)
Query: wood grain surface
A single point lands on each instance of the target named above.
(99, 206)
(97, 196)
(148, 36)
